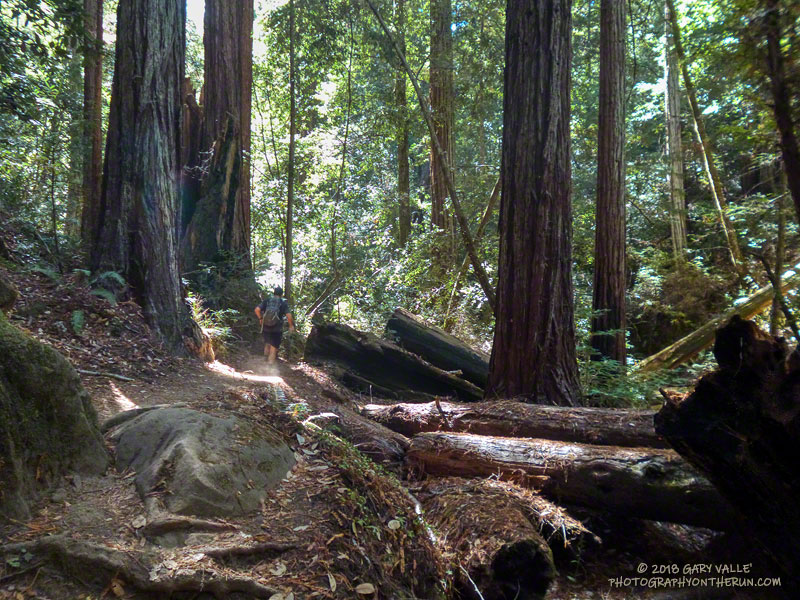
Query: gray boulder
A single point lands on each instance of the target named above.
(207, 466)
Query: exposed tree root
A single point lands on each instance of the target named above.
(103, 563)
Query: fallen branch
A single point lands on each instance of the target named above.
(271, 548)
(685, 348)
(105, 374)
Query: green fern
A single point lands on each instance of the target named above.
(47, 272)
(110, 275)
(78, 321)
(106, 294)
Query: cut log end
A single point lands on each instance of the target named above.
(521, 570)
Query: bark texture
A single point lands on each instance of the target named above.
(493, 537)
(375, 366)
(441, 82)
(437, 347)
(508, 418)
(93, 121)
(741, 428)
(533, 355)
(139, 205)
(641, 482)
(218, 222)
(672, 111)
(608, 301)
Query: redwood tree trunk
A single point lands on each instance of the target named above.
(441, 105)
(403, 179)
(782, 103)
(672, 111)
(93, 120)
(533, 355)
(608, 302)
(139, 205)
(289, 255)
(219, 225)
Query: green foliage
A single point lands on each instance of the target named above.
(106, 295)
(48, 272)
(78, 321)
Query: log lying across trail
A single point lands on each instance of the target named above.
(438, 347)
(369, 364)
(641, 482)
(741, 428)
(492, 537)
(508, 418)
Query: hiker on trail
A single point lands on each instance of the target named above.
(270, 314)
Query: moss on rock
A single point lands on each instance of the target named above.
(48, 425)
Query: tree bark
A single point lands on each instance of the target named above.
(608, 301)
(403, 178)
(93, 122)
(493, 537)
(641, 482)
(218, 226)
(672, 111)
(508, 418)
(687, 347)
(139, 204)
(740, 428)
(441, 82)
(437, 347)
(533, 355)
(289, 253)
(715, 183)
(372, 365)
(782, 100)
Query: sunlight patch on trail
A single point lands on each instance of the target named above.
(121, 399)
(268, 376)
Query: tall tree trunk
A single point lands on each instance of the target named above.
(715, 183)
(403, 179)
(72, 223)
(608, 301)
(441, 80)
(782, 100)
(219, 225)
(289, 254)
(533, 355)
(139, 204)
(93, 121)
(672, 110)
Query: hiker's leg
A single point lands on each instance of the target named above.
(273, 354)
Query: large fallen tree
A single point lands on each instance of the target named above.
(640, 482)
(741, 428)
(508, 418)
(438, 347)
(495, 543)
(368, 364)
(700, 339)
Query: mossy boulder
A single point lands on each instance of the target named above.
(48, 425)
(8, 293)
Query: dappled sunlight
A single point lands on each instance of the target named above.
(121, 399)
(268, 374)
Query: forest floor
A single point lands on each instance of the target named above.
(323, 553)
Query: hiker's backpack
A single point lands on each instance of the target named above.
(271, 315)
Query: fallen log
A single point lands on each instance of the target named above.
(741, 428)
(491, 537)
(368, 364)
(507, 418)
(640, 482)
(700, 339)
(438, 347)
